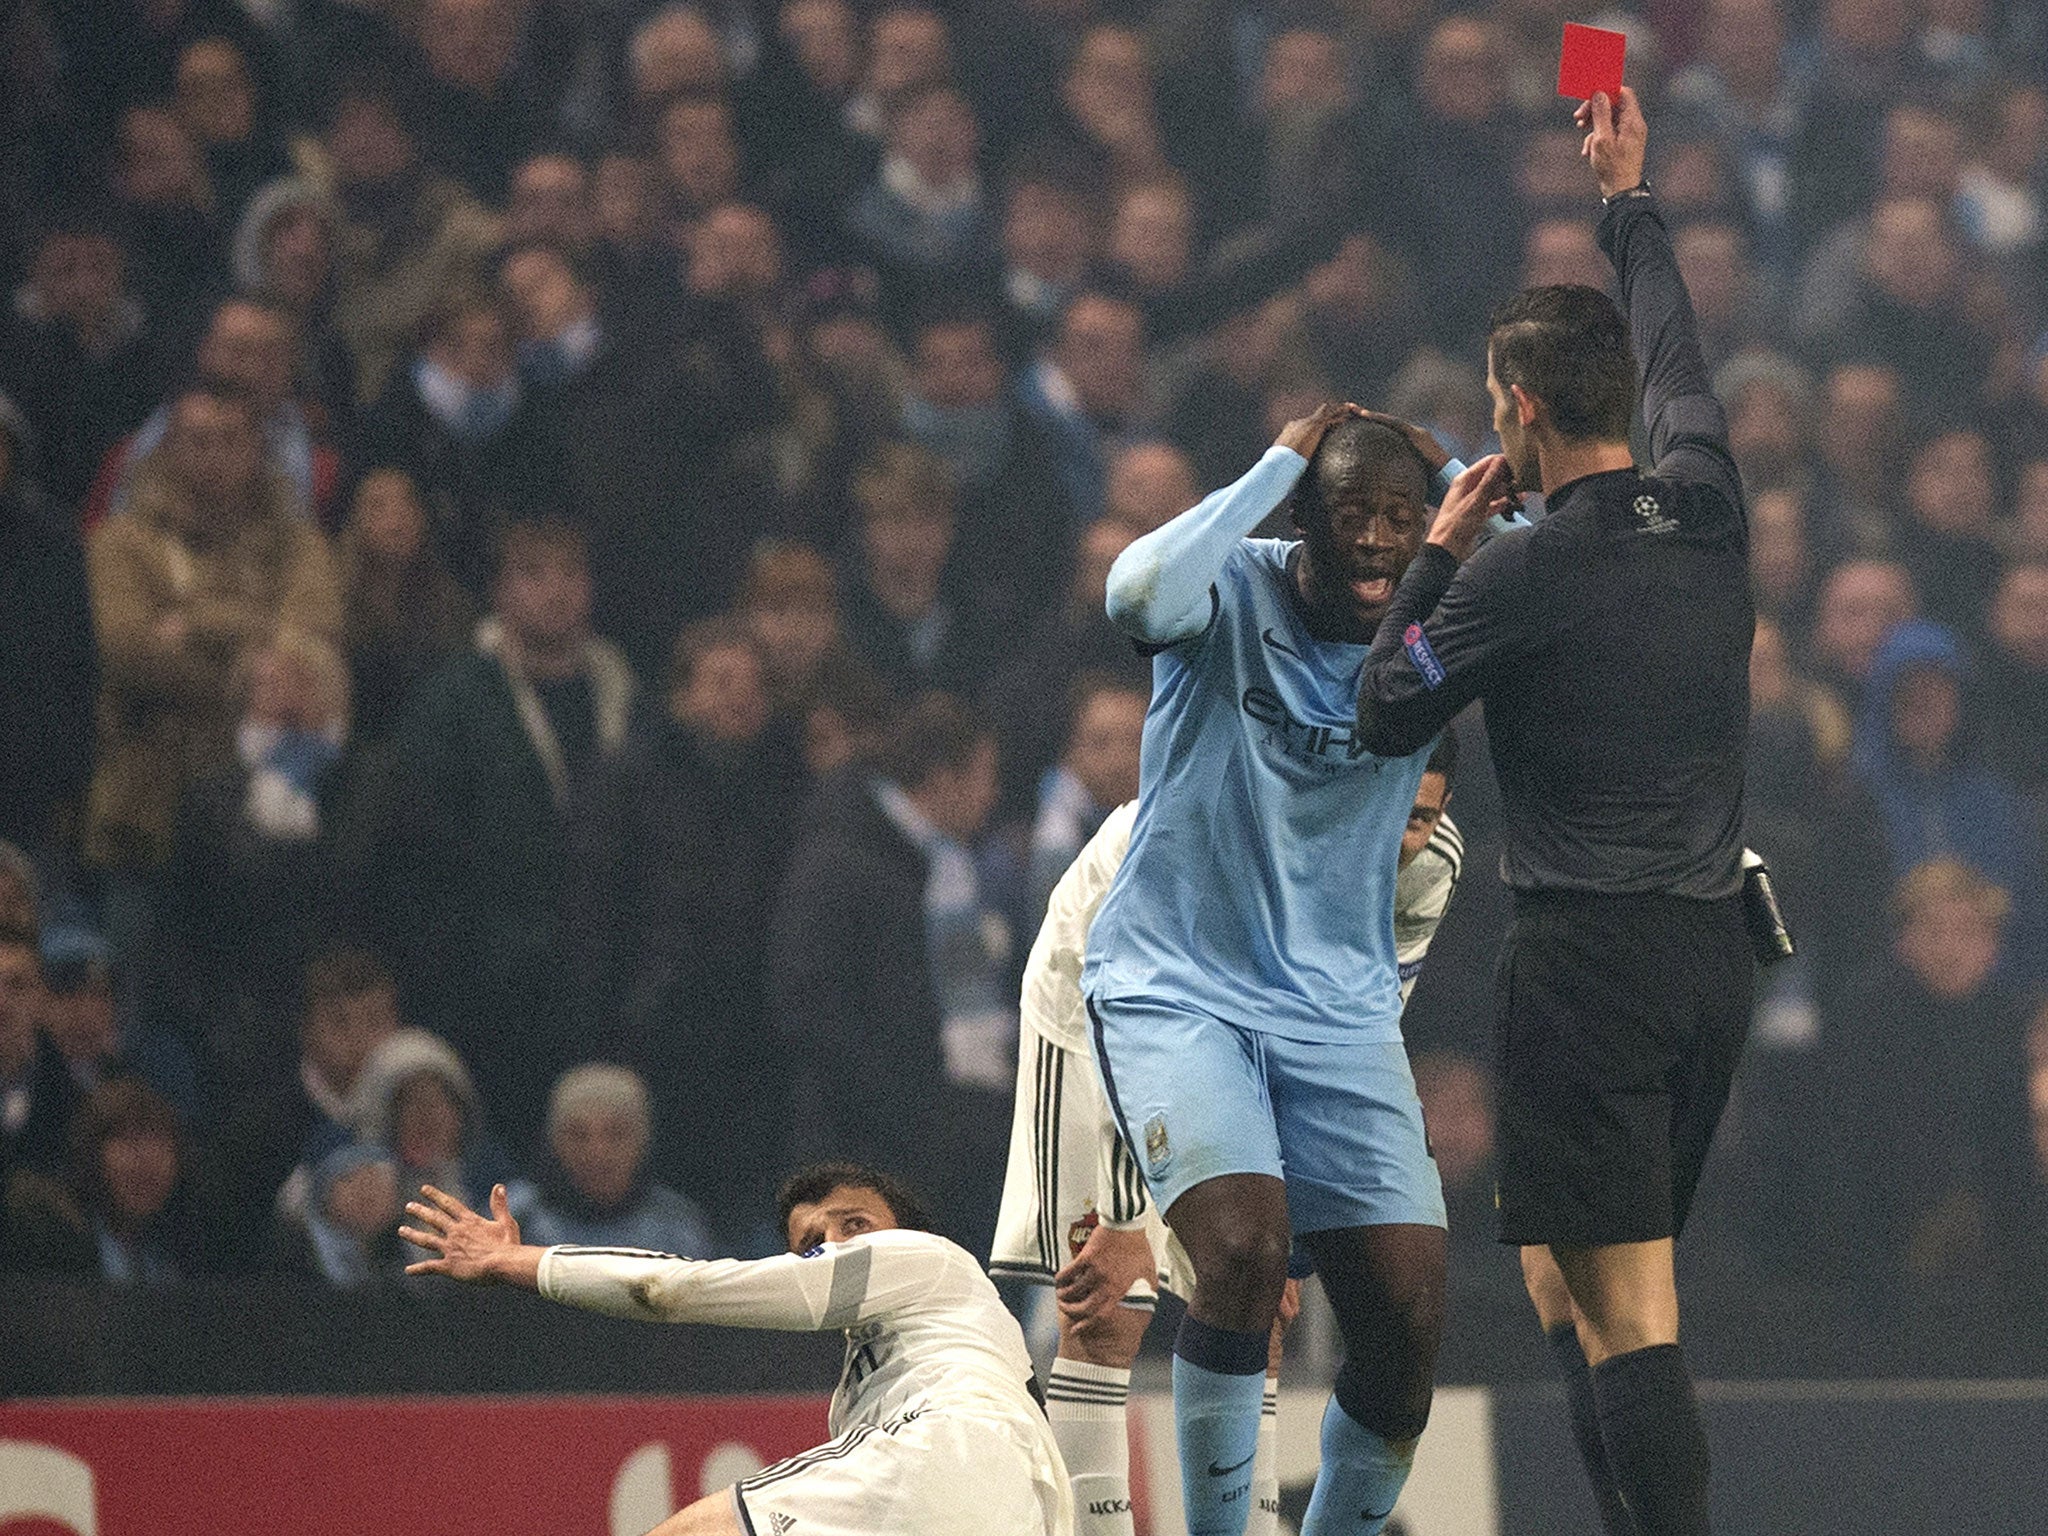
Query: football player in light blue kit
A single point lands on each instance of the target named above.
(1242, 974)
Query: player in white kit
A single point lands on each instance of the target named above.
(936, 1422)
(1075, 1213)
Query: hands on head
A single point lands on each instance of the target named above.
(1616, 136)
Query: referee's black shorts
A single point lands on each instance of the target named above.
(1619, 1021)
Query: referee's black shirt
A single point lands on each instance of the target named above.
(1610, 642)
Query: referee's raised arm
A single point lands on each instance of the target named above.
(1688, 429)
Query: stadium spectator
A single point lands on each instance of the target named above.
(1860, 602)
(210, 558)
(1908, 308)
(882, 950)
(467, 863)
(548, 202)
(676, 854)
(1915, 1058)
(1861, 63)
(37, 1096)
(812, 155)
(49, 663)
(1089, 387)
(2012, 700)
(416, 1102)
(1049, 238)
(410, 238)
(697, 157)
(595, 1190)
(1861, 441)
(1028, 698)
(268, 1145)
(900, 619)
(789, 603)
(285, 251)
(1015, 524)
(1097, 773)
(647, 432)
(216, 98)
(1739, 92)
(1461, 228)
(77, 352)
(82, 1021)
(250, 346)
(1950, 541)
(348, 1235)
(1783, 563)
(925, 214)
(1913, 756)
(159, 184)
(455, 418)
(254, 884)
(480, 109)
(1770, 400)
(403, 614)
(123, 1210)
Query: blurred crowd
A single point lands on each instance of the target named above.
(554, 552)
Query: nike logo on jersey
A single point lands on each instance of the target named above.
(1384, 1514)
(1281, 645)
(1216, 1471)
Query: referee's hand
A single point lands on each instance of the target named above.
(1617, 135)
(1484, 490)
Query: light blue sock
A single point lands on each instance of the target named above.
(1361, 1477)
(1219, 1386)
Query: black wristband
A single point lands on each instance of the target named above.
(1640, 189)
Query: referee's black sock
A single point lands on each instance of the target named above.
(1578, 1386)
(1655, 1445)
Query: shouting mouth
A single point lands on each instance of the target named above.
(1373, 590)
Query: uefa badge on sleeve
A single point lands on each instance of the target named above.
(1416, 644)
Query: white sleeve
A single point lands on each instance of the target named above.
(1422, 895)
(835, 1286)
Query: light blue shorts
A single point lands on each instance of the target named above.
(1197, 1098)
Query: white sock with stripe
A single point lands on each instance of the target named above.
(1265, 1517)
(1085, 1405)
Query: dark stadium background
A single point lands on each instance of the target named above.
(850, 342)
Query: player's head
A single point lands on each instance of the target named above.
(831, 1202)
(1362, 507)
(1432, 798)
(1559, 368)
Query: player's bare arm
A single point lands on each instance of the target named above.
(475, 1249)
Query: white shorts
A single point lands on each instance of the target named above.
(928, 1471)
(1070, 1170)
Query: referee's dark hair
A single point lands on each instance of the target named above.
(815, 1181)
(1567, 345)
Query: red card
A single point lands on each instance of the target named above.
(1591, 62)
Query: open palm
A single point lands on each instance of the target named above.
(468, 1246)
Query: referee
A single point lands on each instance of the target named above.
(1611, 645)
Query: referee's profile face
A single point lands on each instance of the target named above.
(1513, 431)
(847, 1212)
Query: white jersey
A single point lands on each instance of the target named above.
(1422, 894)
(1052, 1002)
(925, 1329)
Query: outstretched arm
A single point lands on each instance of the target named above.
(1688, 430)
(1160, 589)
(835, 1286)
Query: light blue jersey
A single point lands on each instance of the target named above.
(1259, 888)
